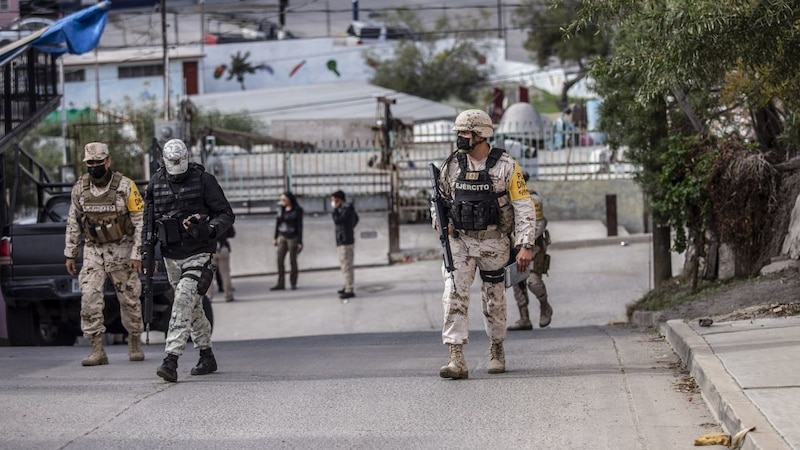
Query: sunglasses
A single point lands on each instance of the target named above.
(95, 162)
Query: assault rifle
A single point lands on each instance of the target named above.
(149, 266)
(440, 206)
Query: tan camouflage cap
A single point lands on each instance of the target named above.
(95, 151)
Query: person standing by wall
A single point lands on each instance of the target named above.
(539, 266)
(190, 211)
(107, 211)
(288, 238)
(222, 260)
(489, 200)
(345, 219)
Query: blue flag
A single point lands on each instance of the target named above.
(76, 33)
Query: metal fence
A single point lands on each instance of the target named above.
(255, 179)
(28, 90)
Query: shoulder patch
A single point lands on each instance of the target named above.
(135, 202)
(518, 188)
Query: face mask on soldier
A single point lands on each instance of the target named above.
(97, 172)
(463, 145)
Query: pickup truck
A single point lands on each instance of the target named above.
(42, 301)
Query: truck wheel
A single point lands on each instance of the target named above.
(58, 334)
(23, 326)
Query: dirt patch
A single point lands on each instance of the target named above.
(771, 295)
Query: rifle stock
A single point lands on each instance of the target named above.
(442, 219)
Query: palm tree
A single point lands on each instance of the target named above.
(240, 67)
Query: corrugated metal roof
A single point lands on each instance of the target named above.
(342, 100)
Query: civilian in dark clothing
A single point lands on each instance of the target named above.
(345, 218)
(288, 238)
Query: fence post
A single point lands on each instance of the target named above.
(611, 214)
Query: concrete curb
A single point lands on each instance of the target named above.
(721, 392)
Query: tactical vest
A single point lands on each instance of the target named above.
(475, 204)
(101, 221)
(180, 203)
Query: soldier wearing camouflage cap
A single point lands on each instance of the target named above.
(190, 212)
(489, 201)
(106, 211)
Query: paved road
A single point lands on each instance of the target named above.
(302, 369)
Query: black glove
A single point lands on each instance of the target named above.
(199, 229)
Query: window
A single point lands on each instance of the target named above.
(151, 70)
(3, 5)
(74, 75)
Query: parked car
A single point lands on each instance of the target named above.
(371, 32)
(21, 28)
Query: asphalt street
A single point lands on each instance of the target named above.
(303, 369)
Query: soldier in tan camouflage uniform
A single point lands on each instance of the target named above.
(535, 283)
(107, 211)
(489, 202)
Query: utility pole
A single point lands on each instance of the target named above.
(386, 159)
(165, 56)
(500, 19)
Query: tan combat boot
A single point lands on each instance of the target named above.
(545, 314)
(497, 359)
(98, 355)
(524, 322)
(135, 352)
(457, 367)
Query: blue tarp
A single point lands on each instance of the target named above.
(76, 33)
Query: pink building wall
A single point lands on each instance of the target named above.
(10, 13)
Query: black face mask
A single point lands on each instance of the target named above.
(462, 144)
(97, 172)
(177, 178)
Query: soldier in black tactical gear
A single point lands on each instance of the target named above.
(190, 211)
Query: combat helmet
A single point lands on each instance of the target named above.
(476, 121)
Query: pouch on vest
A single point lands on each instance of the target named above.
(169, 231)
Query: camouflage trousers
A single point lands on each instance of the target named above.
(188, 317)
(114, 261)
(346, 257)
(535, 283)
(471, 254)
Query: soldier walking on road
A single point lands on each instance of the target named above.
(539, 266)
(489, 201)
(190, 211)
(107, 211)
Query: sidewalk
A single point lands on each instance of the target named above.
(749, 375)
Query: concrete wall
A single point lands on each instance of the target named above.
(586, 200)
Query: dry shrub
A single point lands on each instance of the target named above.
(743, 192)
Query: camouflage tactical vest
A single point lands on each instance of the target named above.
(101, 221)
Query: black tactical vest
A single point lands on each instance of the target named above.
(475, 204)
(178, 200)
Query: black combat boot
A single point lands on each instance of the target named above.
(168, 370)
(206, 364)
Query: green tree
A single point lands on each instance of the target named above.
(545, 41)
(430, 67)
(712, 75)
